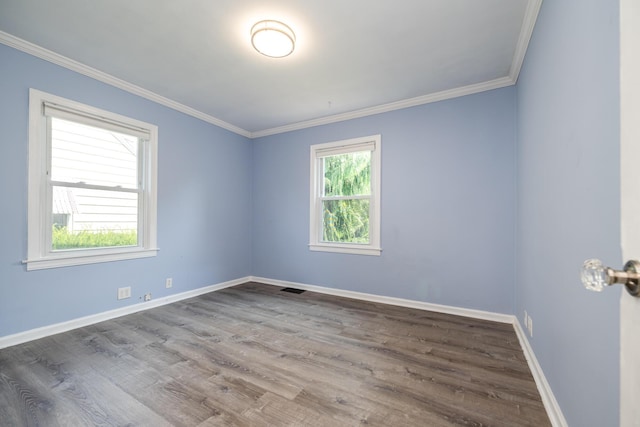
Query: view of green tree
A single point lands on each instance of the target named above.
(62, 238)
(346, 220)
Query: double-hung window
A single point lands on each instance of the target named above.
(92, 184)
(345, 196)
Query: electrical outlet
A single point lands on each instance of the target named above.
(168, 283)
(124, 293)
(147, 297)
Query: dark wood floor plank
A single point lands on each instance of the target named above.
(69, 394)
(352, 364)
(251, 355)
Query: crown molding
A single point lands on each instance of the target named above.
(63, 61)
(529, 20)
(526, 31)
(392, 106)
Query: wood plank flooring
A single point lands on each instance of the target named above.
(253, 355)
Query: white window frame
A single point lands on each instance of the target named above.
(39, 253)
(318, 152)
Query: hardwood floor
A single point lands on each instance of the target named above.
(253, 355)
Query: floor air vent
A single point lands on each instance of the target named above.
(292, 290)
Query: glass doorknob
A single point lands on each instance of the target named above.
(595, 276)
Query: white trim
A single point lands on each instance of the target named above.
(45, 331)
(548, 399)
(529, 20)
(70, 64)
(353, 249)
(526, 31)
(92, 117)
(420, 305)
(39, 253)
(629, 353)
(317, 153)
(86, 258)
(392, 106)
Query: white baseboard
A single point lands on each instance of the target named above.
(466, 312)
(548, 399)
(34, 334)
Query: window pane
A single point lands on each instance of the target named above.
(82, 153)
(347, 174)
(88, 218)
(345, 221)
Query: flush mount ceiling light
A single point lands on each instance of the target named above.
(273, 38)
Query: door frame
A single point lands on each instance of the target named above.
(630, 205)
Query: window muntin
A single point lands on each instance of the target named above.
(92, 184)
(345, 192)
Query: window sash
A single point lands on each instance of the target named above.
(317, 197)
(322, 167)
(320, 215)
(50, 109)
(105, 217)
(345, 149)
(94, 187)
(322, 205)
(140, 149)
(40, 208)
(354, 197)
(76, 116)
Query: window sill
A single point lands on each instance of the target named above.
(346, 249)
(69, 259)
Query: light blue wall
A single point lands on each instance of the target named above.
(447, 213)
(568, 202)
(204, 204)
(454, 185)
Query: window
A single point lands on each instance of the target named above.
(92, 185)
(345, 196)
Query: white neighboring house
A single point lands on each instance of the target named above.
(65, 209)
(92, 156)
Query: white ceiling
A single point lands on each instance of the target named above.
(353, 57)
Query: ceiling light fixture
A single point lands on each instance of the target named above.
(273, 38)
